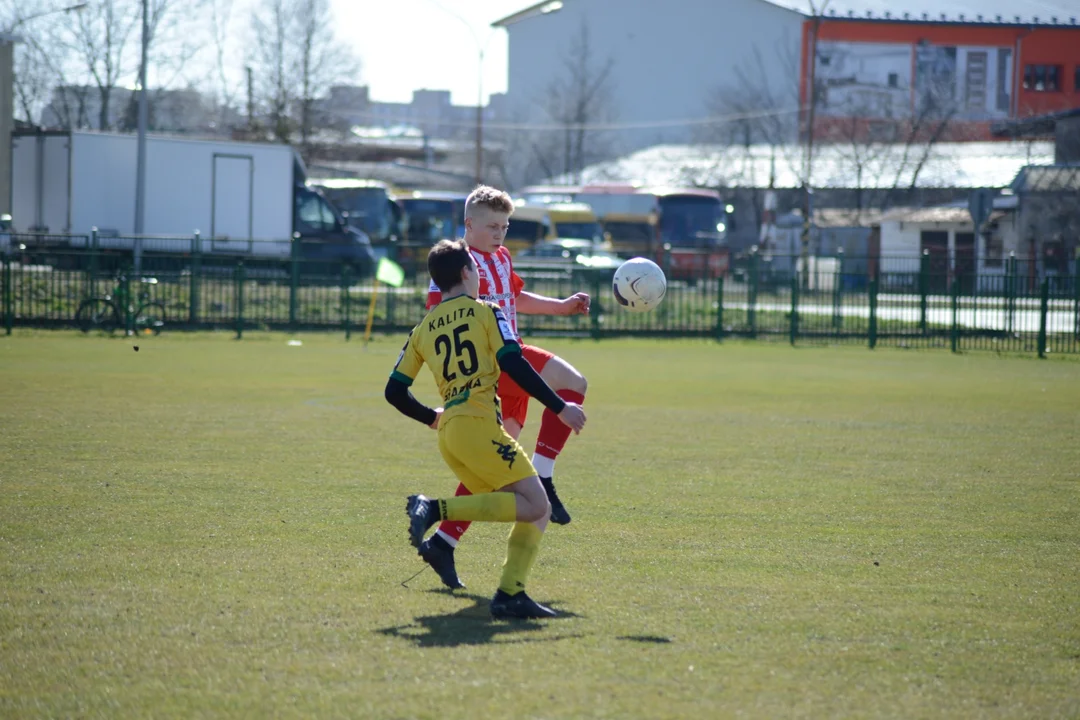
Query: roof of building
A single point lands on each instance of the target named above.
(847, 217)
(947, 165)
(1036, 126)
(994, 12)
(1047, 179)
(941, 214)
(1060, 13)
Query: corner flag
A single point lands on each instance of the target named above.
(389, 273)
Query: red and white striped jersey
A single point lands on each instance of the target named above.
(498, 284)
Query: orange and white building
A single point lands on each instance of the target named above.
(934, 69)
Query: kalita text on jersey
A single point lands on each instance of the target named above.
(453, 316)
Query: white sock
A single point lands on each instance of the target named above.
(450, 541)
(545, 466)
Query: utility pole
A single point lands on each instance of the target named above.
(479, 173)
(480, 117)
(140, 170)
(808, 197)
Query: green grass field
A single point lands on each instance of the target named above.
(210, 528)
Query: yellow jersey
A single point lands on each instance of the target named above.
(461, 341)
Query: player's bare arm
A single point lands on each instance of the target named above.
(532, 304)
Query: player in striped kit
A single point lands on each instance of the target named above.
(487, 217)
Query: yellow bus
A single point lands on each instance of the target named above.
(631, 234)
(533, 223)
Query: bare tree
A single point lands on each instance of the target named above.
(323, 60)
(577, 99)
(756, 111)
(881, 144)
(36, 69)
(754, 114)
(296, 58)
(175, 38)
(97, 47)
(99, 38)
(272, 25)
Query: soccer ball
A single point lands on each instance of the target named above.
(639, 285)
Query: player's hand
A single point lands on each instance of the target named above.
(438, 416)
(573, 417)
(577, 304)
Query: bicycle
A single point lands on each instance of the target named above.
(104, 312)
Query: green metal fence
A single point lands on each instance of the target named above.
(908, 302)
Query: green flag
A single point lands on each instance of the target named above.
(389, 272)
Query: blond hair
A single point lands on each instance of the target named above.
(490, 198)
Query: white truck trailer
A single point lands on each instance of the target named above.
(242, 198)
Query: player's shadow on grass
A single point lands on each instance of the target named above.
(472, 625)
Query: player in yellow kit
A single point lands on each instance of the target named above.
(466, 343)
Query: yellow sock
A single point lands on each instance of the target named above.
(485, 507)
(521, 550)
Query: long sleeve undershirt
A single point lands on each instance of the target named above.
(513, 364)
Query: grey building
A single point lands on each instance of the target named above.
(666, 60)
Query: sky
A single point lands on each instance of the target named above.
(407, 45)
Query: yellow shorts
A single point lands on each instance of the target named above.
(481, 453)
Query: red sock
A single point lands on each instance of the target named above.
(553, 432)
(455, 528)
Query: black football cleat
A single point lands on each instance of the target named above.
(423, 513)
(559, 516)
(519, 606)
(440, 556)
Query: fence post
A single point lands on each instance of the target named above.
(128, 304)
(954, 332)
(9, 314)
(391, 253)
(1010, 292)
(924, 288)
(594, 308)
(239, 300)
(1044, 306)
(838, 290)
(91, 285)
(794, 326)
(720, 308)
(752, 290)
(294, 276)
(1076, 298)
(345, 283)
(196, 278)
(872, 328)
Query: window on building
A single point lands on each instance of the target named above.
(1004, 78)
(1053, 78)
(1042, 78)
(1076, 79)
